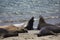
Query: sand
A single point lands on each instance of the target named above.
(31, 35)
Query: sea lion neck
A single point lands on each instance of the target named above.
(41, 20)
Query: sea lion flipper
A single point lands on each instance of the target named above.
(53, 33)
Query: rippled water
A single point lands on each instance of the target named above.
(18, 10)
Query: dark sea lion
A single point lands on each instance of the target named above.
(5, 33)
(30, 24)
(47, 29)
(42, 23)
(10, 34)
(44, 32)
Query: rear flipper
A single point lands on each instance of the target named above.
(53, 33)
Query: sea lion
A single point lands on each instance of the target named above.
(47, 29)
(13, 28)
(42, 23)
(7, 33)
(3, 32)
(30, 24)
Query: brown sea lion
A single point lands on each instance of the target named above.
(11, 30)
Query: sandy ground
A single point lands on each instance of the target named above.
(31, 36)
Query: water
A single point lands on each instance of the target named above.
(24, 9)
